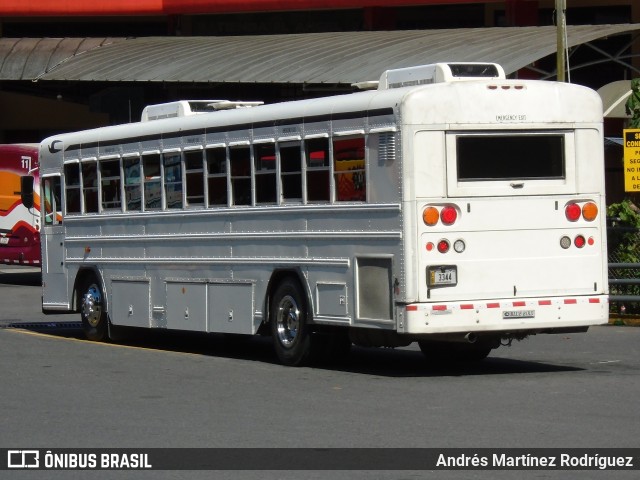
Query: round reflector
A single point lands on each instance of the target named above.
(430, 216)
(429, 246)
(573, 212)
(448, 215)
(443, 246)
(579, 241)
(590, 211)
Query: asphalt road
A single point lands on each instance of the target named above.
(152, 390)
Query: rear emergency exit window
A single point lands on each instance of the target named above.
(510, 157)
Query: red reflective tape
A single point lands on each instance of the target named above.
(439, 307)
(544, 302)
(412, 308)
(519, 304)
(570, 301)
(594, 300)
(466, 307)
(493, 305)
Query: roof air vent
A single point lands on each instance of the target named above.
(439, 73)
(185, 108)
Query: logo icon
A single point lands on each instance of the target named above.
(53, 148)
(23, 459)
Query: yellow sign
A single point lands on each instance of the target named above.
(632, 160)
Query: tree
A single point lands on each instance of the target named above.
(632, 106)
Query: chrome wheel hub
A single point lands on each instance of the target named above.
(288, 321)
(92, 305)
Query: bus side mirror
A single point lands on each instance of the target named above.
(26, 191)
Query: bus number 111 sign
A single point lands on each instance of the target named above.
(632, 160)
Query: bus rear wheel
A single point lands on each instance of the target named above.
(288, 319)
(92, 312)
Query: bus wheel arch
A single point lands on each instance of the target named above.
(276, 278)
(91, 303)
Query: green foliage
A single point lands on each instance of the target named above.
(632, 106)
(624, 245)
(625, 214)
(623, 238)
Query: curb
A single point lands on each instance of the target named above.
(625, 321)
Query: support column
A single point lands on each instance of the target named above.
(635, 47)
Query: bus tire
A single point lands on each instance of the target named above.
(95, 322)
(290, 330)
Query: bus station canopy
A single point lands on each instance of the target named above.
(332, 58)
(614, 98)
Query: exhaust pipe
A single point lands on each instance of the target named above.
(454, 338)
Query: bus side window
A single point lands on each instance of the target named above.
(110, 182)
(72, 187)
(152, 187)
(132, 183)
(195, 177)
(217, 176)
(317, 158)
(349, 169)
(90, 186)
(240, 159)
(51, 191)
(172, 164)
(264, 157)
(291, 170)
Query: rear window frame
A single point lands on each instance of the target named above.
(515, 186)
(553, 169)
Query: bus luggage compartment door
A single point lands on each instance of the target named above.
(230, 308)
(130, 303)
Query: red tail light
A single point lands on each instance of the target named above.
(448, 215)
(443, 246)
(573, 212)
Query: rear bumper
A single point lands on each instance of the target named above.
(504, 315)
(11, 255)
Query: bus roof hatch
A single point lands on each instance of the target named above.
(439, 73)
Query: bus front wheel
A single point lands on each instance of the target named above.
(93, 313)
(290, 329)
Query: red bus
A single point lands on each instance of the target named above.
(19, 205)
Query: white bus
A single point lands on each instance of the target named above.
(449, 206)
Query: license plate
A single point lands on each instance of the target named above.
(4, 240)
(442, 276)
(507, 314)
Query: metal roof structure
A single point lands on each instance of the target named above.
(28, 58)
(313, 58)
(614, 98)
